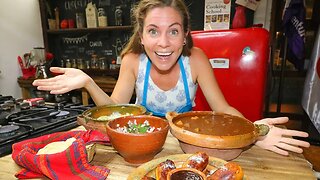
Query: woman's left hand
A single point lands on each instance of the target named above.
(279, 140)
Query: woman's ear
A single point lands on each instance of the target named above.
(186, 34)
(141, 39)
(186, 37)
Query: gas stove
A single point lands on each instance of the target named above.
(25, 119)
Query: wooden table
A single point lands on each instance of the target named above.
(256, 163)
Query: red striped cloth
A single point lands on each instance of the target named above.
(69, 164)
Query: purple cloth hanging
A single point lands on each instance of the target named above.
(294, 29)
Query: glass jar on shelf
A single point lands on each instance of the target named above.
(62, 63)
(94, 62)
(87, 64)
(80, 63)
(74, 63)
(68, 63)
(103, 63)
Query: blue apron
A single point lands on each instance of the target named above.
(185, 108)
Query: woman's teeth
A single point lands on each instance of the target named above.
(164, 54)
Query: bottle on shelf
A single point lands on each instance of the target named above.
(91, 15)
(102, 18)
(57, 17)
(80, 22)
(118, 16)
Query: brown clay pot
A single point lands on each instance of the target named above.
(138, 148)
(227, 143)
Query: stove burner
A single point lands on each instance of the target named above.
(8, 130)
(24, 121)
(61, 113)
(44, 117)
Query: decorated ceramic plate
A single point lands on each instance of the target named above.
(148, 169)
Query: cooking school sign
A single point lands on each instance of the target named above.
(216, 14)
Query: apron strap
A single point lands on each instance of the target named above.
(185, 82)
(146, 83)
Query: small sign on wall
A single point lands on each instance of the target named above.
(217, 14)
(251, 4)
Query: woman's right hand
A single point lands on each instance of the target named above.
(69, 79)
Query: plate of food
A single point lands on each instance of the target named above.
(184, 166)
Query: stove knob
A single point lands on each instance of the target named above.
(18, 101)
(24, 105)
(60, 106)
(5, 107)
(9, 103)
(40, 103)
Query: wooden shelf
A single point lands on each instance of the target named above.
(114, 73)
(85, 30)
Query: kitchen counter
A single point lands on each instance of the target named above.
(106, 83)
(256, 163)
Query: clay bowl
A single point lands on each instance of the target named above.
(91, 118)
(138, 148)
(220, 135)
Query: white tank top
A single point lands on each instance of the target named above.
(160, 100)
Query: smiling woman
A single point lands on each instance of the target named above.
(162, 67)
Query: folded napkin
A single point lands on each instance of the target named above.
(71, 163)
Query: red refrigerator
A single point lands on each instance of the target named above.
(239, 58)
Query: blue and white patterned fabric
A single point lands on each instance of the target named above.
(158, 101)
